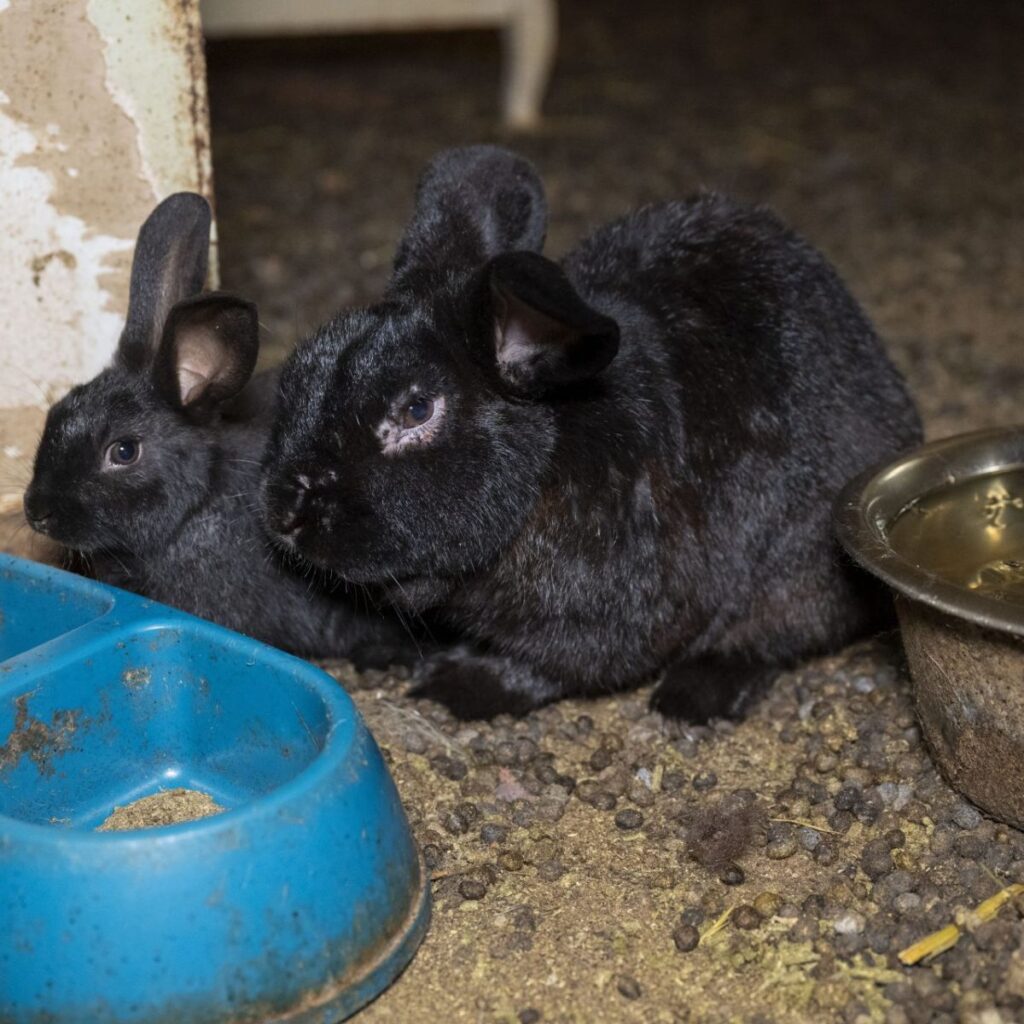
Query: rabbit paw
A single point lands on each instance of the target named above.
(713, 686)
(479, 686)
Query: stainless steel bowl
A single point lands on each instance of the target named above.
(944, 527)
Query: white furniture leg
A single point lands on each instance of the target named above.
(529, 30)
(529, 40)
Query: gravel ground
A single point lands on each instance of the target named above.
(581, 854)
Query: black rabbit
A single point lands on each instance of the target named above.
(150, 471)
(597, 471)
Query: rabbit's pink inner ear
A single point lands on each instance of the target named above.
(201, 361)
(522, 333)
(208, 352)
(545, 334)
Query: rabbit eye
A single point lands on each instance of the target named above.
(412, 422)
(124, 452)
(417, 412)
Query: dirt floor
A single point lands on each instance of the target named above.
(584, 858)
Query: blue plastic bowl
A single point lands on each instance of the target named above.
(301, 902)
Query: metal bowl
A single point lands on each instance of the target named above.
(944, 527)
(299, 902)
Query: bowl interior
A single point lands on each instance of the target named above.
(33, 610)
(970, 533)
(164, 708)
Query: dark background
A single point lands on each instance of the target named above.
(888, 132)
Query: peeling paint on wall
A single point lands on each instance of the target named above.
(51, 281)
(159, 42)
(102, 113)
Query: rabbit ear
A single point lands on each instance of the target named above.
(545, 335)
(471, 204)
(169, 265)
(207, 353)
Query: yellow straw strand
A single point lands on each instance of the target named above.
(807, 824)
(718, 925)
(946, 938)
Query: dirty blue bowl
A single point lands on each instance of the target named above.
(301, 902)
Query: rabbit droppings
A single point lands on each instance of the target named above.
(598, 470)
(149, 472)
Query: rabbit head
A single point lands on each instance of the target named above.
(413, 438)
(126, 456)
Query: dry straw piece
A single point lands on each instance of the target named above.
(807, 824)
(946, 938)
(717, 926)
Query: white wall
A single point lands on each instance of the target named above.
(102, 113)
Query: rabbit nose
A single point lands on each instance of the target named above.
(37, 511)
(293, 504)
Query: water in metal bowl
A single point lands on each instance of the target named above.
(971, 534)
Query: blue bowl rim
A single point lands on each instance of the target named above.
(342, 731)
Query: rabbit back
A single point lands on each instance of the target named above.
(688, 504)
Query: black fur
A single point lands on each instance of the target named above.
(181, 525)
(636, 458)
